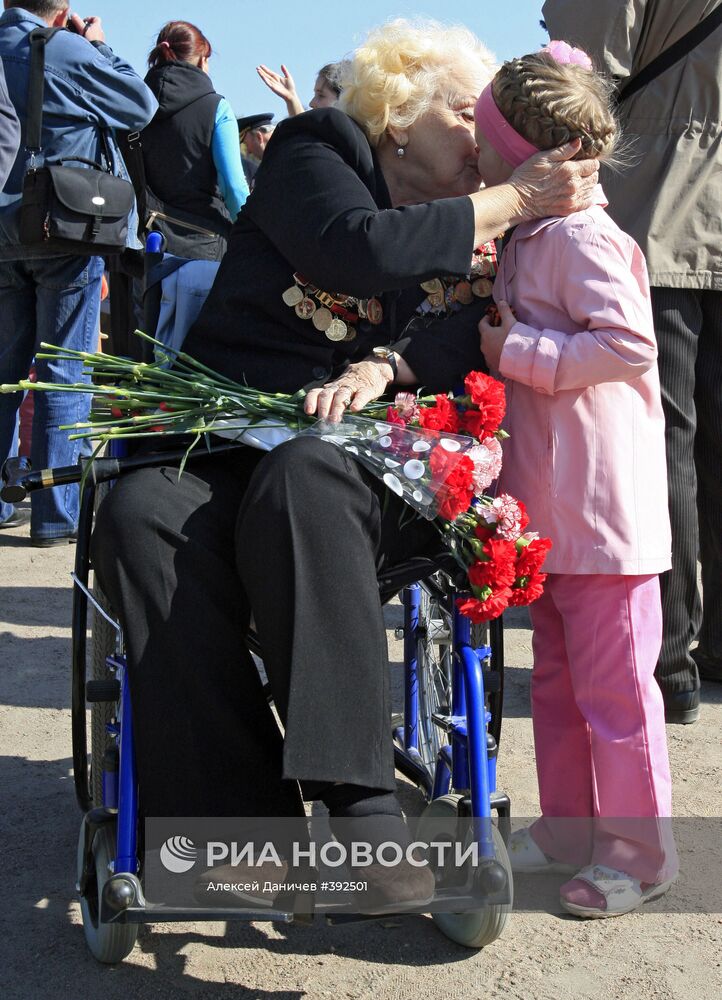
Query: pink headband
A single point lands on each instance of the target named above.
(492, 124)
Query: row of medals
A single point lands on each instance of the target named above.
(443, 292)
(301, 295)
(440, 293)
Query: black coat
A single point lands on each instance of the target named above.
(321, 207)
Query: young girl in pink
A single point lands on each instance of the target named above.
(586, 454)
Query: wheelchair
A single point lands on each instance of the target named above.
(446, 740)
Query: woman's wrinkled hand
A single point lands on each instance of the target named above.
(549, 184)
(359, 384)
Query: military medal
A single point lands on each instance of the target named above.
(433, 286)
(305, 308)
(336, 330)
(350, 335)
(463, 293)
(482, 288)
(374, 311)
(292, 296)
(321, 319)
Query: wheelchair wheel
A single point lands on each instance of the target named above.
(108, 943)
(433, 656)
(474, 928)
(102, 645)
(101, 712)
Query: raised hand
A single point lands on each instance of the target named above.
(283, 86)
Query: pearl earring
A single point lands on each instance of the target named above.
(401, 152)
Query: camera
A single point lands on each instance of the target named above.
(70, 25)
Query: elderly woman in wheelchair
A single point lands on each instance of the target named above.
(330, 283)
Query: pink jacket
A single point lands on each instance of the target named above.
(586, 452)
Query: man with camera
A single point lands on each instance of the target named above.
(9, 131)
(48, 293)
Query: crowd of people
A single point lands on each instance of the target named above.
(416, 151)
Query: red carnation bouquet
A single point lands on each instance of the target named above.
(439, 454)
(488, 535)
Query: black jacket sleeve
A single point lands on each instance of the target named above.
(9, 131)
(330, 222)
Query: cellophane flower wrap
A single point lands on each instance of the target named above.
(440, 454)
(488, 535)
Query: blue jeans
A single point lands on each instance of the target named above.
(56, 300)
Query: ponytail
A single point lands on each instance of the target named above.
(179, 41)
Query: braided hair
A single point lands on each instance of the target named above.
(551, 103)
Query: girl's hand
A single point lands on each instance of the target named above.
(493, 337)
(283, 86)
(548, 184)
(358, 385)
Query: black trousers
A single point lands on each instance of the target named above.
(688, 325)
(294, 537)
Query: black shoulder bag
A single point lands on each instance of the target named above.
(666, 59)
(79, 210)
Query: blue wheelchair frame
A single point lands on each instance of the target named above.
(467, 763)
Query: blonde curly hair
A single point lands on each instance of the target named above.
(393, 78)
(551, 103)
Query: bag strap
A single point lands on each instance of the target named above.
(39, 38)
(131, 149)
(133, 156)
(665, 60)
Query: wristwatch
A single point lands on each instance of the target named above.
(387, 355)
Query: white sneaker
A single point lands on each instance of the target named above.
(528, 858)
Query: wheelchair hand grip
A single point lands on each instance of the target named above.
(18, 479)
(13, 471)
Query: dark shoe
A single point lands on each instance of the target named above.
(52, 540)
(16, 519)
(395, 890)
(708, 669)
(681, 707)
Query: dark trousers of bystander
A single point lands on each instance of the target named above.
(688, 324)
(296, 538)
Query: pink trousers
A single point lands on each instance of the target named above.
(599, 730)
